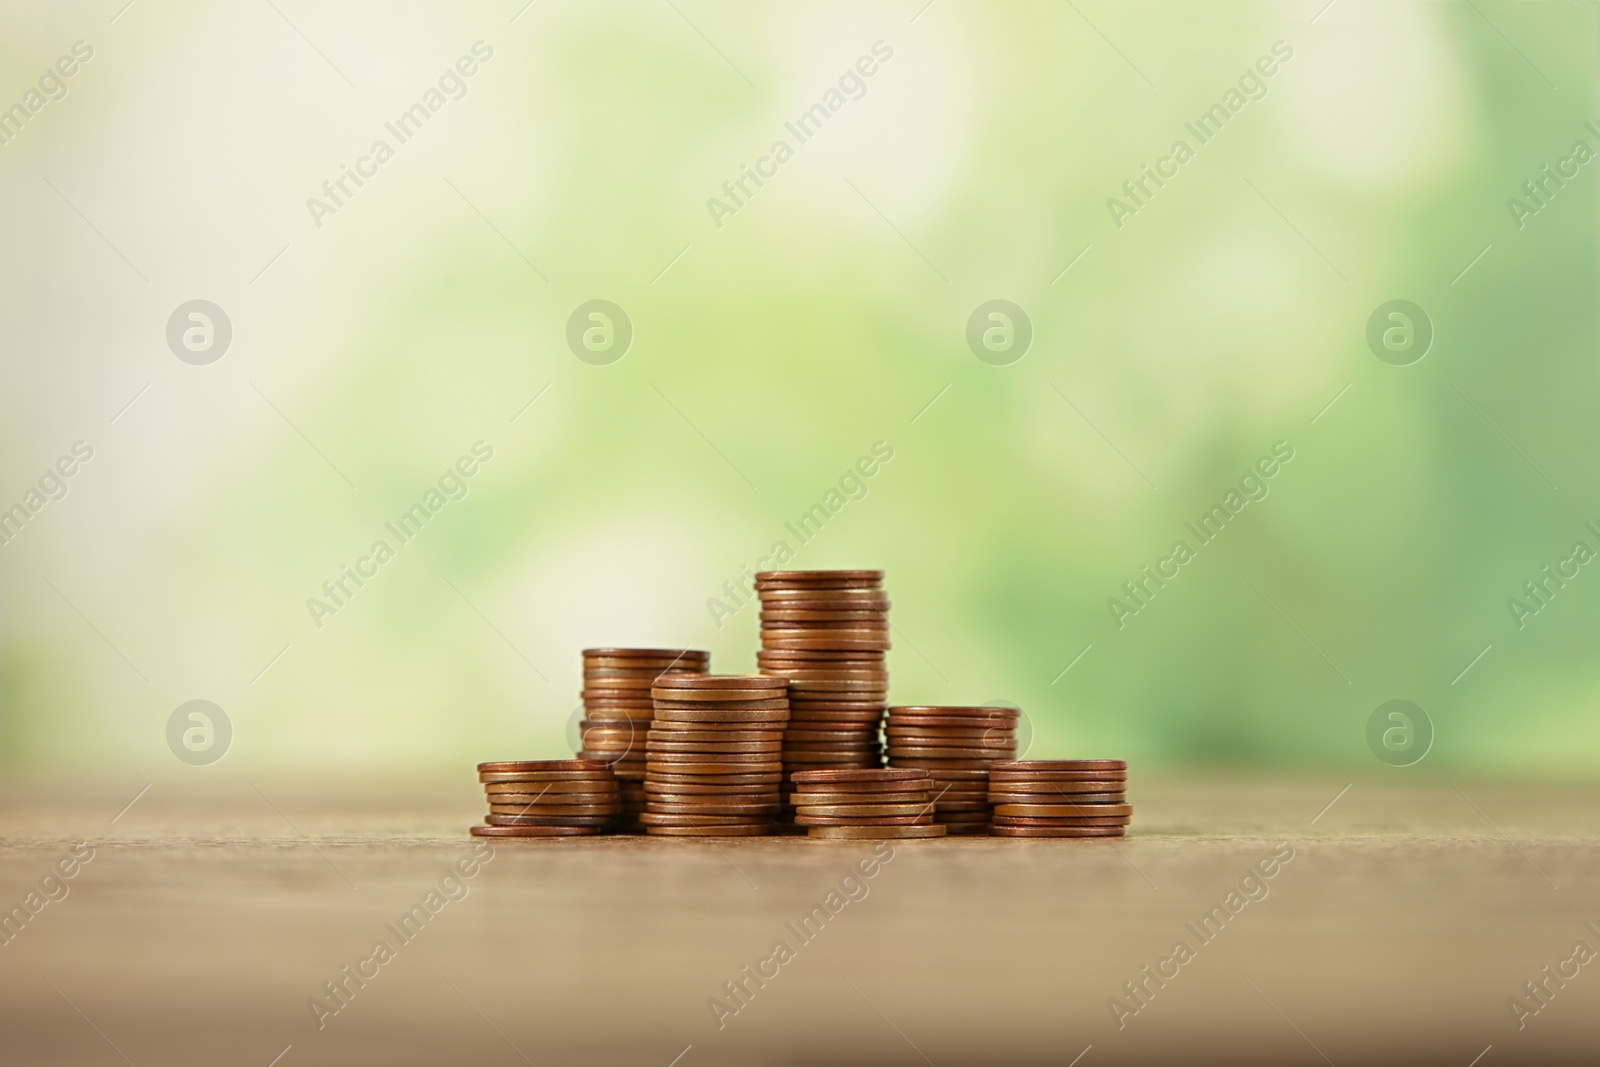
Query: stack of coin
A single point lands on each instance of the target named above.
(713, 766)
(826, 632)
(617, 711)
(871, 803)
(548, 798)
(1060, 798)
(956, 746)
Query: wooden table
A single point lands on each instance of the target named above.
(205, 924)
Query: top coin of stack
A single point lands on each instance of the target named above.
(874, 803)
(713, 755)
(956, 746)
(1060, 798)
(617, 710)
(547, 798)
(826, 632)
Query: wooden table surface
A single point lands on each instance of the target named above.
(204, 924)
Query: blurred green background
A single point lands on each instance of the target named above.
(775, 345)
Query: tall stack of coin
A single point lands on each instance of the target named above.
(617, 711)
(1060, 798)
(870, 803)
(548, 798)
(826, 632)
(956, 746)
(713, 757)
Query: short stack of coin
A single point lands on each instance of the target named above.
(874, 803)
(826, 632)
(956, 746)
(713, 756)
(1060, 798)
(548, 798)
(617, 711)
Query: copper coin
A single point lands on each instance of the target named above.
(659, 742)
(905, 796)
(860, 810)
(875, 833)
(1034, 792)
(932, 765)
(972, 710)
(542, 811)
(808, 614)
(537, 766)
(730, 768)
(834, 720)
(874, 775)
(820, 704)
(602, 775)
(757, 830)
(689, 803)
(535, 820)
(649, 653)
(769, 704)
(676, 777)
(712, 715)
(534, 800)
(1057, 831)
(1065, 765)
(961, 829)
(841, 659)
(563, 785)
(924, 819)
(800, 733)
(1069, 824)
(681, 732)
(1012, 780)
(967, 722)
(1099, 811)
(700, 682)
(737, 756)
(658, 788)
(902, 750)
(533, 831)
(854, 690)
(821, 643)
(764, 577)
(660, 818)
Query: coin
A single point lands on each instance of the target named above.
(1057, 831)
(679, 777)
(805, 807)
(542, 820)
(716, 715)
(877, 775)
(908, 796)
(767, 704)
(653, 818)
(533, 831)
(551, 776)
(1064, 810)
(1063, 765)
(753, 830)
(875, 833)
(539, 766)
(703, 682)
(679, 788)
